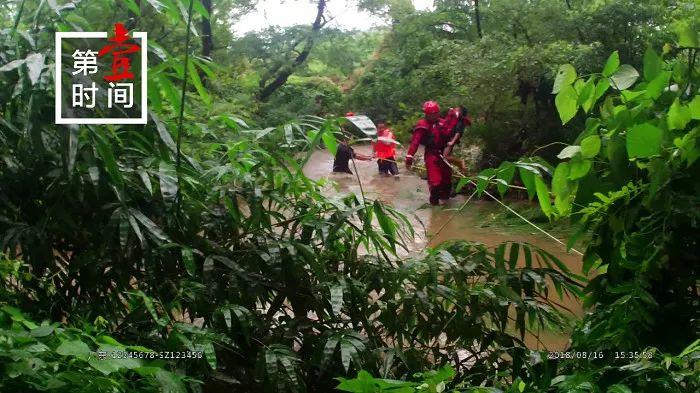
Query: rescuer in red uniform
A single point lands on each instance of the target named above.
(456, 120)
(431, 133)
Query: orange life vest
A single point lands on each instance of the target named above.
(385, 150)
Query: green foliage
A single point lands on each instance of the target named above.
(311, 95)
(505, 78)
(629, 179)
(231, 250)
(222, 245)
(49, 357)
(431, 381)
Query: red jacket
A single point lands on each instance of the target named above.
(433, 136)
(385, 150)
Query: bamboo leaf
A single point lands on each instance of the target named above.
(336, 298)
(152, 228)
(168, 181)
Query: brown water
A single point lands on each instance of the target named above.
(408, 193)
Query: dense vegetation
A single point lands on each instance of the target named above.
(199, 232)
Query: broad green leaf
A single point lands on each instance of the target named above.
(559, 180)
(612, 64)
(566, 103)
(75, 348)
(483, 179)
(586, 97)
(330, 141)
(644, 140)
(42, 331)
(652, 64)
(601, 87)
(678, 116)
(657, 85)
(543, 196)
(568, 152)
(630, 95)
(566, 75)
(528, 179)
(625, 77)
(462, 182)
(590, 146)
(687, 35)
(579, 168)
(560, 188)
(694, 106)
(505, 173)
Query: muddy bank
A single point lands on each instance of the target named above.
(433, 225)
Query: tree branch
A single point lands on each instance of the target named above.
(285, 72)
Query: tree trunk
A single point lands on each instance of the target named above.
(477, 15)
(284, 73)
(207, 40)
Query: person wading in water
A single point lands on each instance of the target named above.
(343, 156)
(385, 149)
(433, 135)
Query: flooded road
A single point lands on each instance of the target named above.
(408, 193)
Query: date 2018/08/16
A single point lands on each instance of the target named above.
(600, 355)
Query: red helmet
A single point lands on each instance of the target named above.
(350, 114)
(431, 107)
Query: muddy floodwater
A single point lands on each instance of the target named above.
(408, 193)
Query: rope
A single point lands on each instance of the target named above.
(462, 176)
(450, 219)
(526, 220)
